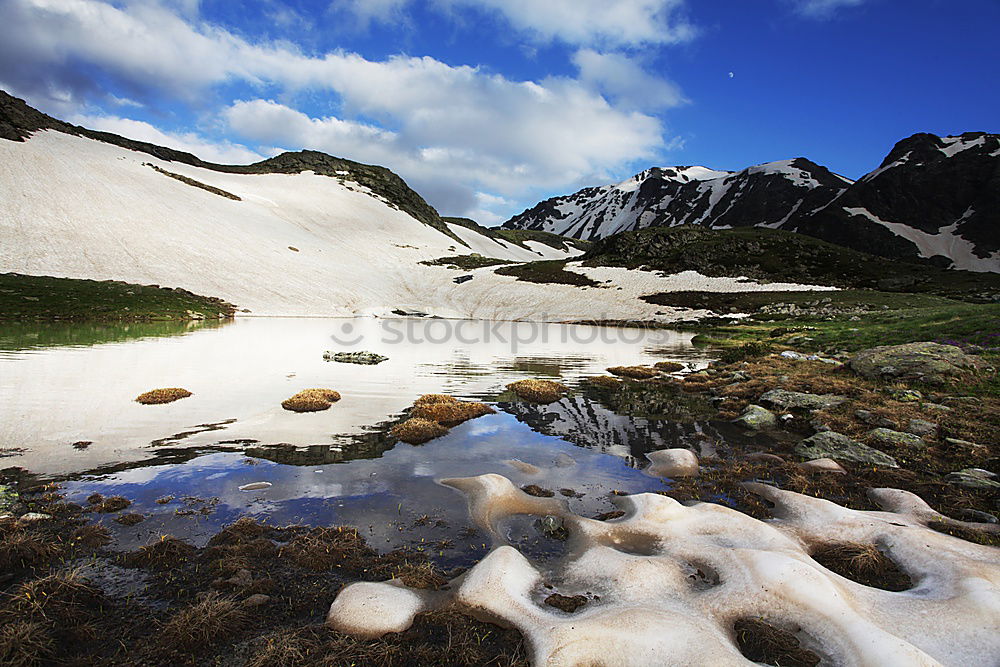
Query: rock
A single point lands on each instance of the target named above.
(789, 354)
(257, 600)
(886, 436)
(937, 407)
(822, 465)
(756, 417)
(255, 486)
(965, 444)
(905, 395)
(837, 446)
(741, 376)
(975, 516)
(673, 463)
(34, 517)
(553, 527)
(872, 419)
(921, 427)
(794, 400)
(364, 358)
(461, 279)
(973, 478)
(931, 363)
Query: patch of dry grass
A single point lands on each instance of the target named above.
(210, 620)
(417, 431)
(863, 563)
(538, 391)
(634, 372)
(668, 366)
(112, 504)
(764, 643)
(20, 547)
(451, 412)
(26, 644)
(166, 553)
(159, 396)
(435, 398)
(603, 382)
(311, 400)
(323, 549)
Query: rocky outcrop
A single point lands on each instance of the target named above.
(929, 363)
(841, 448)
(794, 400)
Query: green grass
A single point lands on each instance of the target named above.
(743, 302)
(45, 298)
(546, 272)
(773, 255)
(467, 262)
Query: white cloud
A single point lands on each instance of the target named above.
(372, 11)
(592, 22)
(220, 152)
(624, 80)
(822, 8)
(452, 131)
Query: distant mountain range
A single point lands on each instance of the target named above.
(932, 199)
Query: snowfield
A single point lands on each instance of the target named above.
(295, 245)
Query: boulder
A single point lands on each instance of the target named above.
(921, 427)
(930, 363)
(886, 436)
(756, 417)
(822, 465)
(673, 463)
(794, 400)
(839, 447)
(974, 478)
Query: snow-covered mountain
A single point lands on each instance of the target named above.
(765, 195)
(935, 198)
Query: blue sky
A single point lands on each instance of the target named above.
(487, 106)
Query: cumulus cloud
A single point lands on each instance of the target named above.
(822, 8)
(592, 22)
(624, 80)
(372, 11)
(224, 152)
(456, 133)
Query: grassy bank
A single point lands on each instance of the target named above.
(45, 298)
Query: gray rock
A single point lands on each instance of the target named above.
(937, 407)
(927, 362)
(906, 395)
(822, 466)
(756, 417)
(839, 447)
(965, 444)
(364, 358)
(973, 478)
(257, 600)
(794, 400)
(921, 427)
(873, 419)
(886, 436)
(32, 517)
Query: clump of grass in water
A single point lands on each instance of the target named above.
(417, 431)
(538, 391)
(634, 372)
(311, 400)
(604, 382)
(160, 396)
(668, 366)
(451, 412)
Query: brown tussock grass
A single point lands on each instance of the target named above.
(24, 548)
(863, 563)
(210, 620)
(92, 535)
(451, 412)
(166, 553)
(634, 372)
(668, 366)
(417, 431)
(159, 396)
(26, 643)
(311, 400)
(604, 382)
(538, 391)
(764, 643)
(323, 549)
(112, 504)
(420, 575)
(435, 398)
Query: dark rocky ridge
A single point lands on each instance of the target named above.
(945, 187)
(18, 121)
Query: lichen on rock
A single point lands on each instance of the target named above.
(929, 363)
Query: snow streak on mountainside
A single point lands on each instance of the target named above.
(933, 198)
(765, 195)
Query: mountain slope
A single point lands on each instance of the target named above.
(765, 195)
(933, 198)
